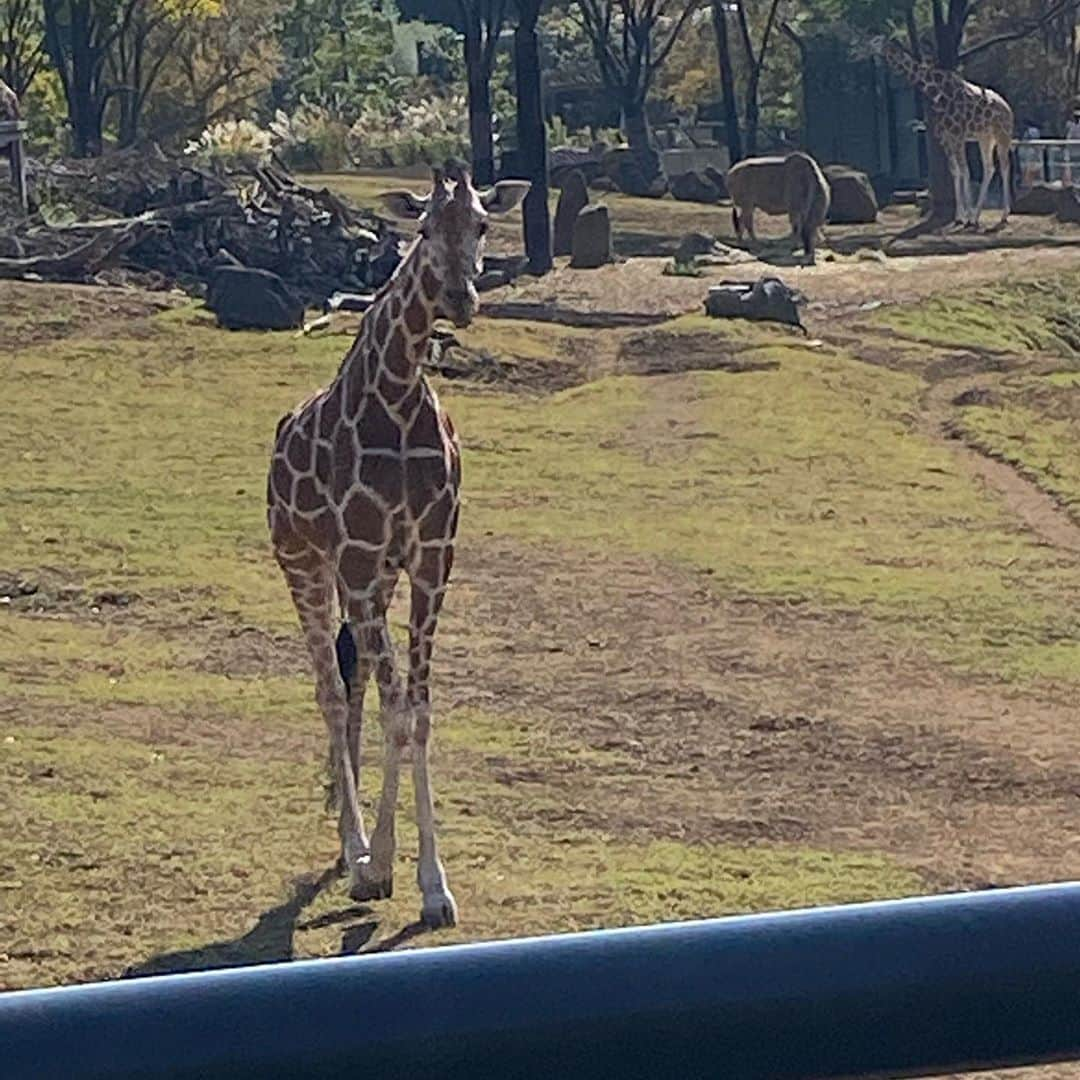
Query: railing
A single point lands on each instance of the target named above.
(1047, 160)
(899, 988)
(11, 138)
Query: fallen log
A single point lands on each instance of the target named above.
(83, 261)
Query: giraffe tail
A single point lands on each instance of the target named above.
(345, 647)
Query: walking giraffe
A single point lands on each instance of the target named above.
(961, 112)
(364, 485)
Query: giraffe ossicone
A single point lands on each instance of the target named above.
(364, 486)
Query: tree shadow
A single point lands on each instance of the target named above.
(270, 940)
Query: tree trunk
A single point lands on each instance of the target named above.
(635, 122)
(480, 135)
(942, 189)
(753, 110)
(732, 133)
(532, 145)
(73, 55)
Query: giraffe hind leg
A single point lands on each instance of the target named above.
(986, 150)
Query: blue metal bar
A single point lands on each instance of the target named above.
(909, 987)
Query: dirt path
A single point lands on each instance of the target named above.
(1040, 513)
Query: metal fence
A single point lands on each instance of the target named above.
(1047, 160)
(900, 988)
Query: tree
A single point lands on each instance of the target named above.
(728, 100)
(22, 46)
(145, 39)
(482, 21)
(631, 39)
(532, 135)
(335, 53)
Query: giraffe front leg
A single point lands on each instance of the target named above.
(373, 877)
(438, 907)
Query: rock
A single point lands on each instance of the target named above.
(246, 299)
(572, 200)
(623, 166)
(853, 200)
(1040, 198)
(1068, 208)
(492, 279)
(718, 180)
(692, 245)
(694, 187)
(768, 299)
(564, 161)
(592, 239)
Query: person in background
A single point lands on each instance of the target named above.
(1072, 153)
(1030, 156)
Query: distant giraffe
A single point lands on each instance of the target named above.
(364, 485)
(961, 112)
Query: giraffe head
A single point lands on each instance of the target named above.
(453, 219)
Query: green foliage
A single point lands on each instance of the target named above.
(336, 54)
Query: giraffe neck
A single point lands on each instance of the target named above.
(919, 73)
(395, 334)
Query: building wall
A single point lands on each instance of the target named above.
(858, 113)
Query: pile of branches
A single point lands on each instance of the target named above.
(141, 218)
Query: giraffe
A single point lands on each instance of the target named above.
(363, 485)
(961, 112)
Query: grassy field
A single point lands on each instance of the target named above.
(719, 641)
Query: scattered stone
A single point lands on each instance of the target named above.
(592, 239)
(977, 395)
(572, 200)
(853, 200)
(694, 187)
(492, 279)
(247, 299)
(564, 161)
(692, 245)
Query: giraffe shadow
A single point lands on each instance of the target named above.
(270, 940)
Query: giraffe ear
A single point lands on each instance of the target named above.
(504, 196)
(404, 205)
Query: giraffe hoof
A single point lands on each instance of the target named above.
(363, 888)
(439, 911)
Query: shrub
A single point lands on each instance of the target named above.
(231, 144)
(311, 137)
(426, 130)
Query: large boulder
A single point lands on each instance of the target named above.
(626, 171)
(853, 200)
(247, 299)
(563, 161)
(718, 180)
(573, 198)
(1068, 208)
(694, 187)
(1040, 198)
(592, 239)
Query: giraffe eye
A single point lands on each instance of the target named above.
(483, 228)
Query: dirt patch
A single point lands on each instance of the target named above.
(661, 353)
(31, 314)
